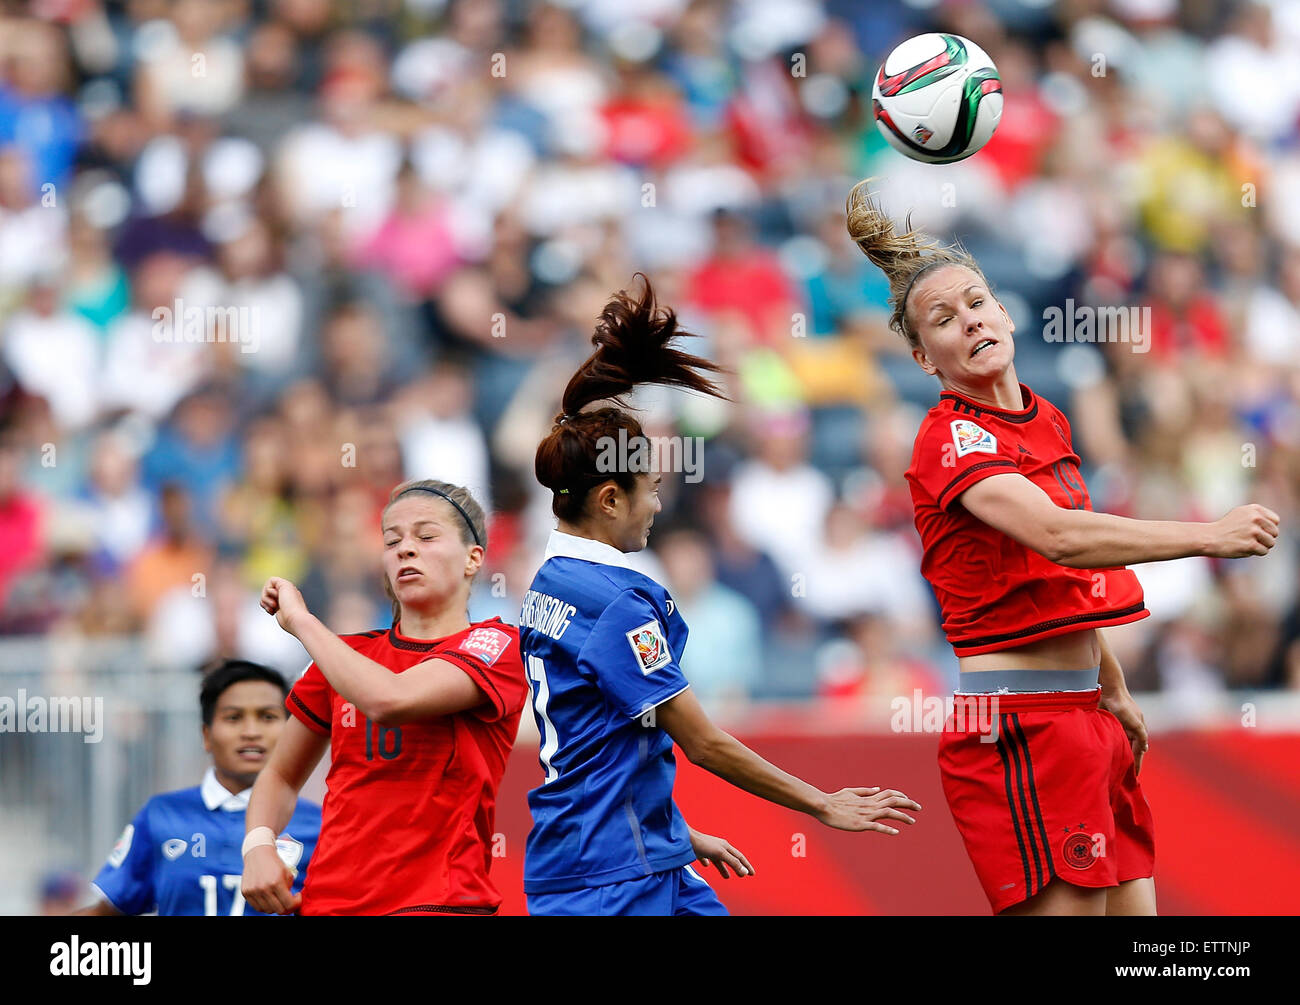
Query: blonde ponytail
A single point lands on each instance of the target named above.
(903, 258)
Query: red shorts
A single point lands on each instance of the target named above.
(1055, 796)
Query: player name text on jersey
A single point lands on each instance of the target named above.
(546, 614)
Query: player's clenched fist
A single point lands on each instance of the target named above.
(1246, 530)
(861, 809)
(268, 882)
(281, 598)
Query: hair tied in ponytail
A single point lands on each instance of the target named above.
(633, 345)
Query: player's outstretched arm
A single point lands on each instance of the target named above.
(432, 688)
(703, 743)
(1084, 539)
(268, 883)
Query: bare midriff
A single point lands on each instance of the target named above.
(1079, 650)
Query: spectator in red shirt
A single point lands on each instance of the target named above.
(1028, 126)
(20, 520)
(1185, 317)
(742, 280)
(646, 120)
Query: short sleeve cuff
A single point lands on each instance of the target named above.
(658, 698)
(971, 475)
(479, 675)
(299, 710)
(107, 899)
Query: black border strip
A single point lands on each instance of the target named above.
(960, 404)
(472, 663)
(1033, 794)
(1073, 619)
(442, 909)
(1000, 463)
(1021, 775)
(308, 712)
(415, 647)
(1011, 800)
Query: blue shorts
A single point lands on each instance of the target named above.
(675, 893)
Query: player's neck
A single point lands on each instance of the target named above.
(1003, 393)
(433, 624)
(591, 533)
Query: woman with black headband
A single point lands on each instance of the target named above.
(419, 719)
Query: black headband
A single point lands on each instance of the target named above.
(917, 275)
(459, 509)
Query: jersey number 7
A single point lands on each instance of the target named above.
(542, 695)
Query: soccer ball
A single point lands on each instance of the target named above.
(937, 98)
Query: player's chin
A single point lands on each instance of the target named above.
(419, 590)
(990, 363)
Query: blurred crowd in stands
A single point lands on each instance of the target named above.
(261, 261)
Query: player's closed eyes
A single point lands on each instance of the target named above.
(948, 317)
(423, 537)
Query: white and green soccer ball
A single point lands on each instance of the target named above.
(937, 98)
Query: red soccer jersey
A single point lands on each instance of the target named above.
(407, 824)
(994, 592)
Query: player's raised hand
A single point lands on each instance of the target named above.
(281, 598)
(864, 809)
(1246, 530)
(268, 882)
(720, 853)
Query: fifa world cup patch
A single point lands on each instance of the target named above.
(650, 647)
(972, 439)
(121, 847)
(485, 643)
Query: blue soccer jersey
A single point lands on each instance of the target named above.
(600, 643)
(181, 855)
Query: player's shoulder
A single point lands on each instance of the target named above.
(1046, 408)
(639, 597)
(491, 640)
(946, 424)
(938, 419)
(496, 624)
(177, 800)
(365, 640)
(582, 572)
(370, 642)
(594, 586)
